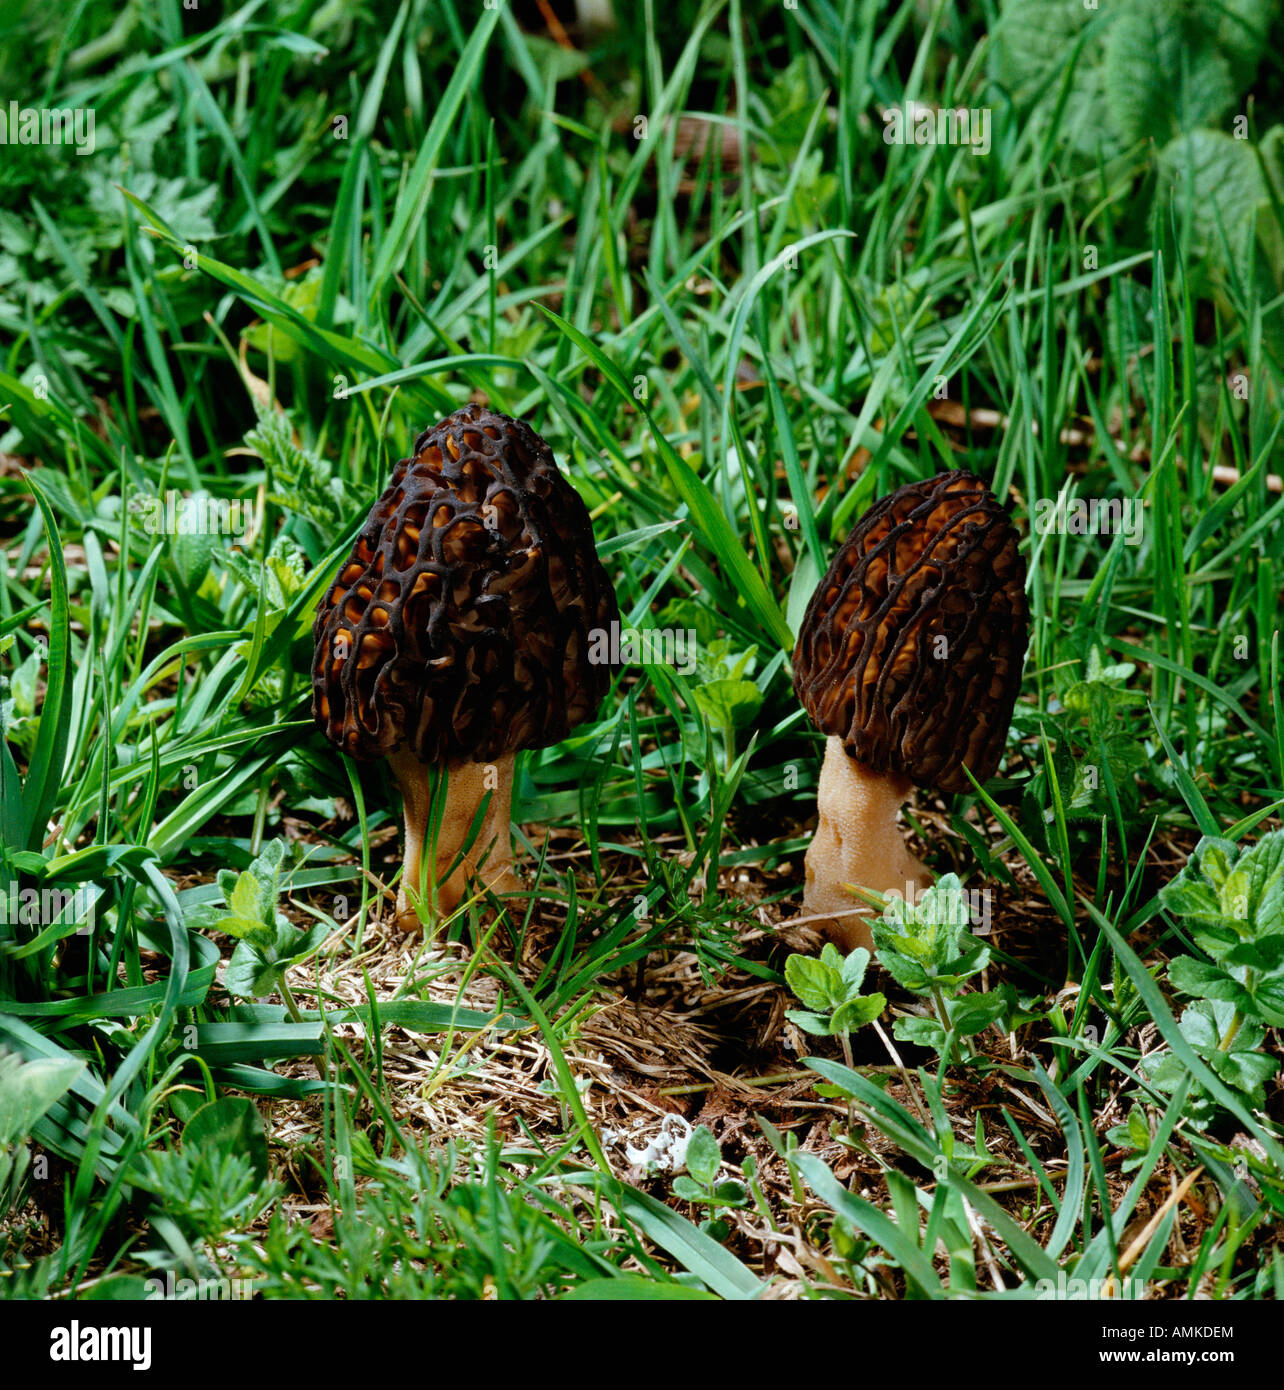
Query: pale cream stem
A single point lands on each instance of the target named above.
(489, 859)
(857, 841)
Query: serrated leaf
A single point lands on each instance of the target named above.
(1138, 1129)
(1263, 864)
(1268, 996)
(1234, 896)
(1192, 898)
(853, 969)
(858, 1012)
(249, 929)
(1266, 955)
(1246, 1071)
(1204, 1024)
(1215, 858)
(904, 971)
(257, 969)
(1204, 981)
(818, 1025)
(244, 898)
(813, 981)
(728, 704)
(832, 957)
(704, 1156)
(974, 1012)
(250, 975)
(925, 1031)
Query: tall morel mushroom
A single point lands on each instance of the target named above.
(909, 660)
(458, 632)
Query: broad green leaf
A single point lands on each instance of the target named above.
(924, 1031)
(818, 1025)
(1216, 182)
(813, 981)
(974, 1012)
(704, 1156)
(1138, 1129)
(1246, 1071)
(728, 704)
(1192, 898)
(232, 1124)
(1204, 981)
(854, 968)
(29, 1090)
(1163, 73)
(244, 901)
(858, 1012)
(1268, 995)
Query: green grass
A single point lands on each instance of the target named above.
(303, 236)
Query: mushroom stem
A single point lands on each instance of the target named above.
(857, 841)
(490, 856)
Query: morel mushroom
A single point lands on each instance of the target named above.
(458, 632)
(909, 659)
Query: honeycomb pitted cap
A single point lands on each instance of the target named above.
(461, 624)
(912, 645)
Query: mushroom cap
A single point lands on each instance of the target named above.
(460, 624)
(911, 647)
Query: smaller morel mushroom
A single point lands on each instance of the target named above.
(909, 660)
(460, 631)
